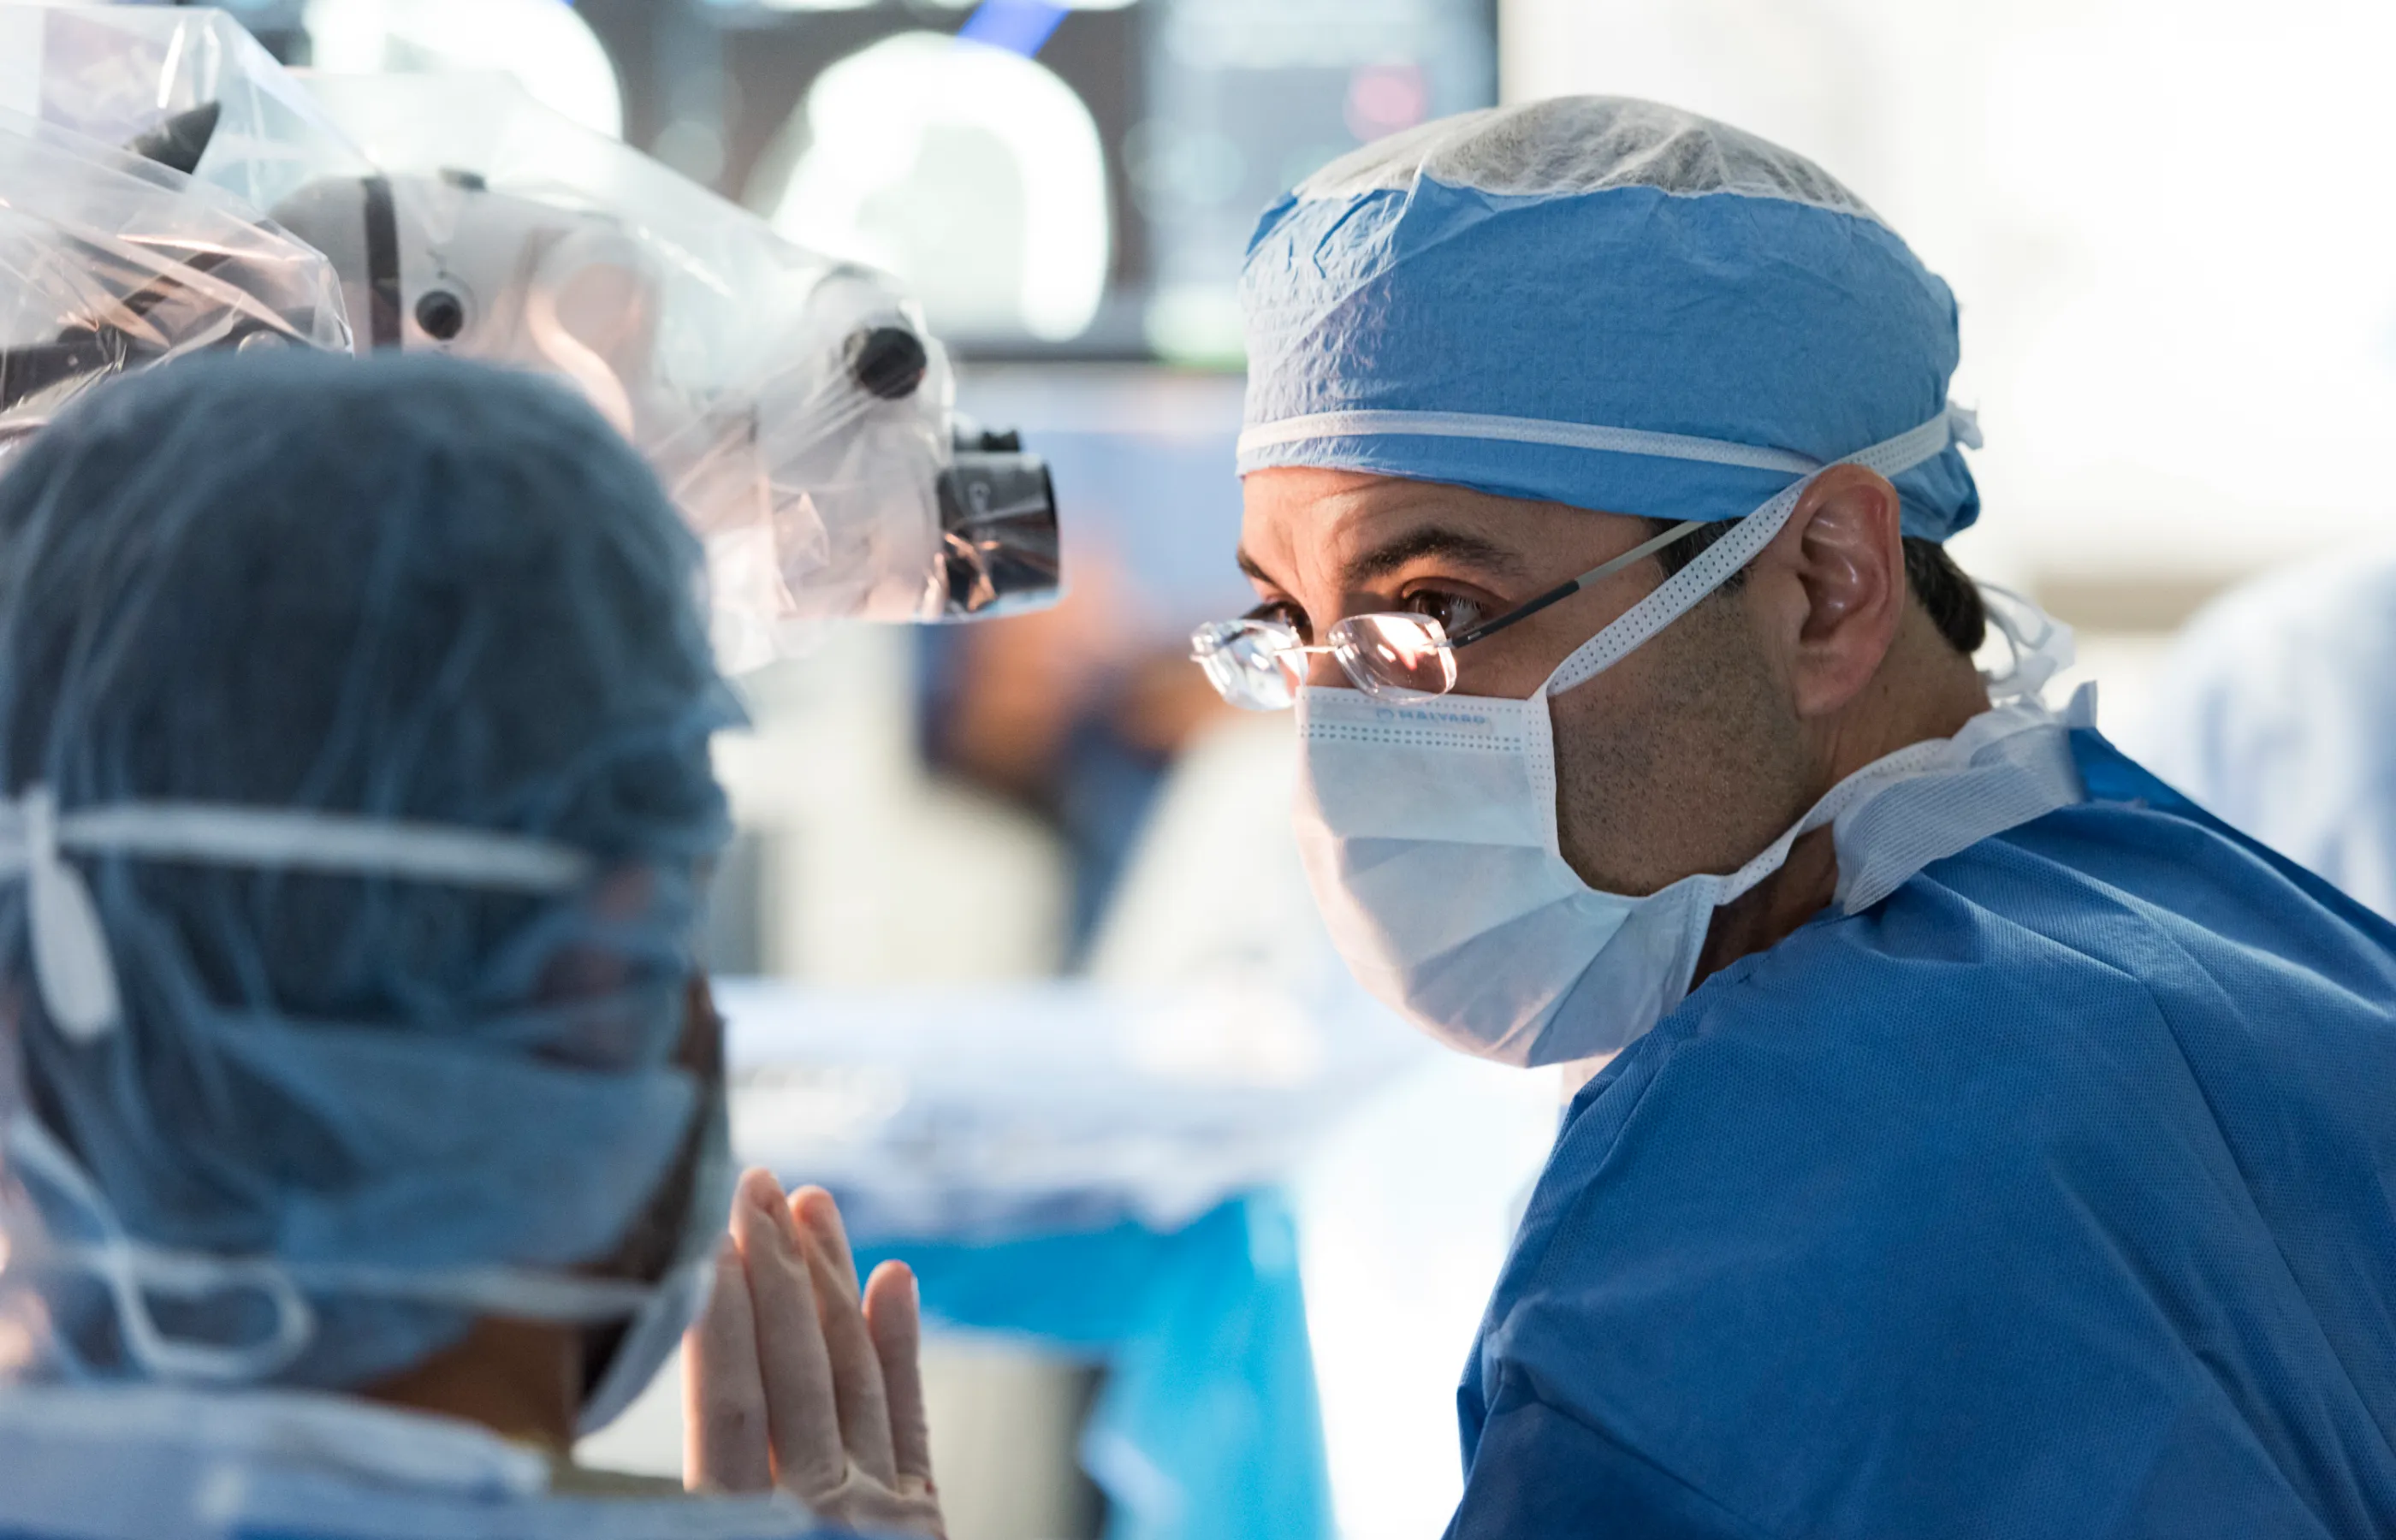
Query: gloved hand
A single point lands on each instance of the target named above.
(798, 1380)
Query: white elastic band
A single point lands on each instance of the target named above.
(1713, 566)
(323, 842)
(132, 1272)
(1514, 430)
(562, 1298)
(70, 946)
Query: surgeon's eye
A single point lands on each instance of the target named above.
(1282, 612)
(1455, 613)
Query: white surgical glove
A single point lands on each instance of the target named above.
(799, 1380)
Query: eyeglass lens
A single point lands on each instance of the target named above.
(1259, 666)
(1254, 664)
(1395, 656)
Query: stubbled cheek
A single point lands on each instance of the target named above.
(1680, 759)
(1609, 788)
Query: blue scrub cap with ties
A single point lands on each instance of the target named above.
(354, 803)
(1598, 301)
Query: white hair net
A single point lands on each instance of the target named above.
(1577, 145)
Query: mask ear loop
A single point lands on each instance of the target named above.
(1713, 566)
(1677, 594)
(78, 990)
(133, 1272)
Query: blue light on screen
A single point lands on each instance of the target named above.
(1019, 26)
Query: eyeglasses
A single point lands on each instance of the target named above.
(1258, 664)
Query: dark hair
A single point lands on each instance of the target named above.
(1938, 585)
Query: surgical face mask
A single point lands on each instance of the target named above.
(1428, 833)
(675, 1302)
(257, 1314)
(49, 1190)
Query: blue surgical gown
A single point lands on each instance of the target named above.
(2055, 1195)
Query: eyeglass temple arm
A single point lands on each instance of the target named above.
(1565, 591)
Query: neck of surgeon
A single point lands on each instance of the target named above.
(1923, 689)
(521, 1380)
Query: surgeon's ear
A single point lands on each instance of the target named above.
(1844, 549)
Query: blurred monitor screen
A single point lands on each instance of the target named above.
(1055, 182)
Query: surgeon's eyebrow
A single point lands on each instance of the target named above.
(1415, 545)
(1453, 545)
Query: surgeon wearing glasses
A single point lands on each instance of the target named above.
(1991, 1142)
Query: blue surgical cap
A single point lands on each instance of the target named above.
(1452, 303)
(406, 591)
